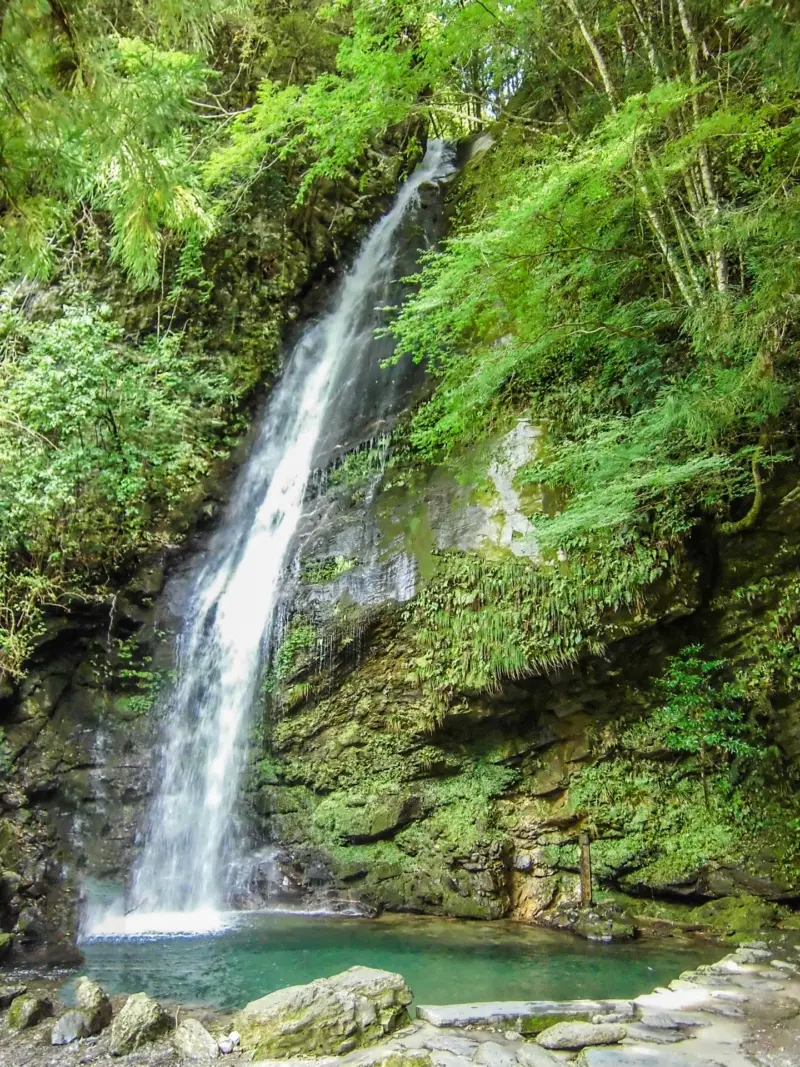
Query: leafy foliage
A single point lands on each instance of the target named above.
(685, 785)
(479, 620)
(91, 427)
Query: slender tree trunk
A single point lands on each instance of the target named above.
(717, 252)
(597, 55)
(651, 209)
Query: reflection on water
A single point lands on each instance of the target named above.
(443, 961)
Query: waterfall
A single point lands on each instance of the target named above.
(179, 882)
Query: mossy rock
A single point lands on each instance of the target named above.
(737, 918)
(27, 1011)
(534, 1024)
(6, 941)
(331, 1016)
(140, 1021)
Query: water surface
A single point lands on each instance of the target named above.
(444, 961)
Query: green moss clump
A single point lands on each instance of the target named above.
(737, 918)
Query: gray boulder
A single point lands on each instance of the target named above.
(193, 1042)
(141, 1020)
(579, 1035)
(94, 1003)
(71, 1026)
(331, 1016)
(27, 1011)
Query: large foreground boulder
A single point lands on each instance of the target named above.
(328, 1017)
(141, 1020)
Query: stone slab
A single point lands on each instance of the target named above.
(504, 1012)
(655, 1035)
(490, 1054)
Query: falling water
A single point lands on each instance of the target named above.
(179, 883)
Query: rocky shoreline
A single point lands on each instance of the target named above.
(742, 1011)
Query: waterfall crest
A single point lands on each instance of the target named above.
(179, 882)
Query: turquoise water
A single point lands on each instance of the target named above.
(443, 961)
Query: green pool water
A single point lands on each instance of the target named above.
(443, 961)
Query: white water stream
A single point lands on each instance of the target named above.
(179, 883)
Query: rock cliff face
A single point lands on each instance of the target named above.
(476, 811)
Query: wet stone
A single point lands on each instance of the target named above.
(635, 1057)
(674, 1020)
(529, 1055)
(719, 1007)
(444, 1042)
(655, 1035)
(490, 1054)
(784, 965)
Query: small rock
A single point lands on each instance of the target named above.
(512, 1035)
(235, 1037)
(490, 1054)
(579, 1035)
(142, 1019)
(71, 1026)
(530, 1055)
(226, 1046)
(94, 1003)
(28, 1010)
(754, 944)
(193, 1042)
(9, 993)
(612, 1017)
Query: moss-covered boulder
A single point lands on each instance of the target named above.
(27, 1011)
(328, 1017)
(141, 1021)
